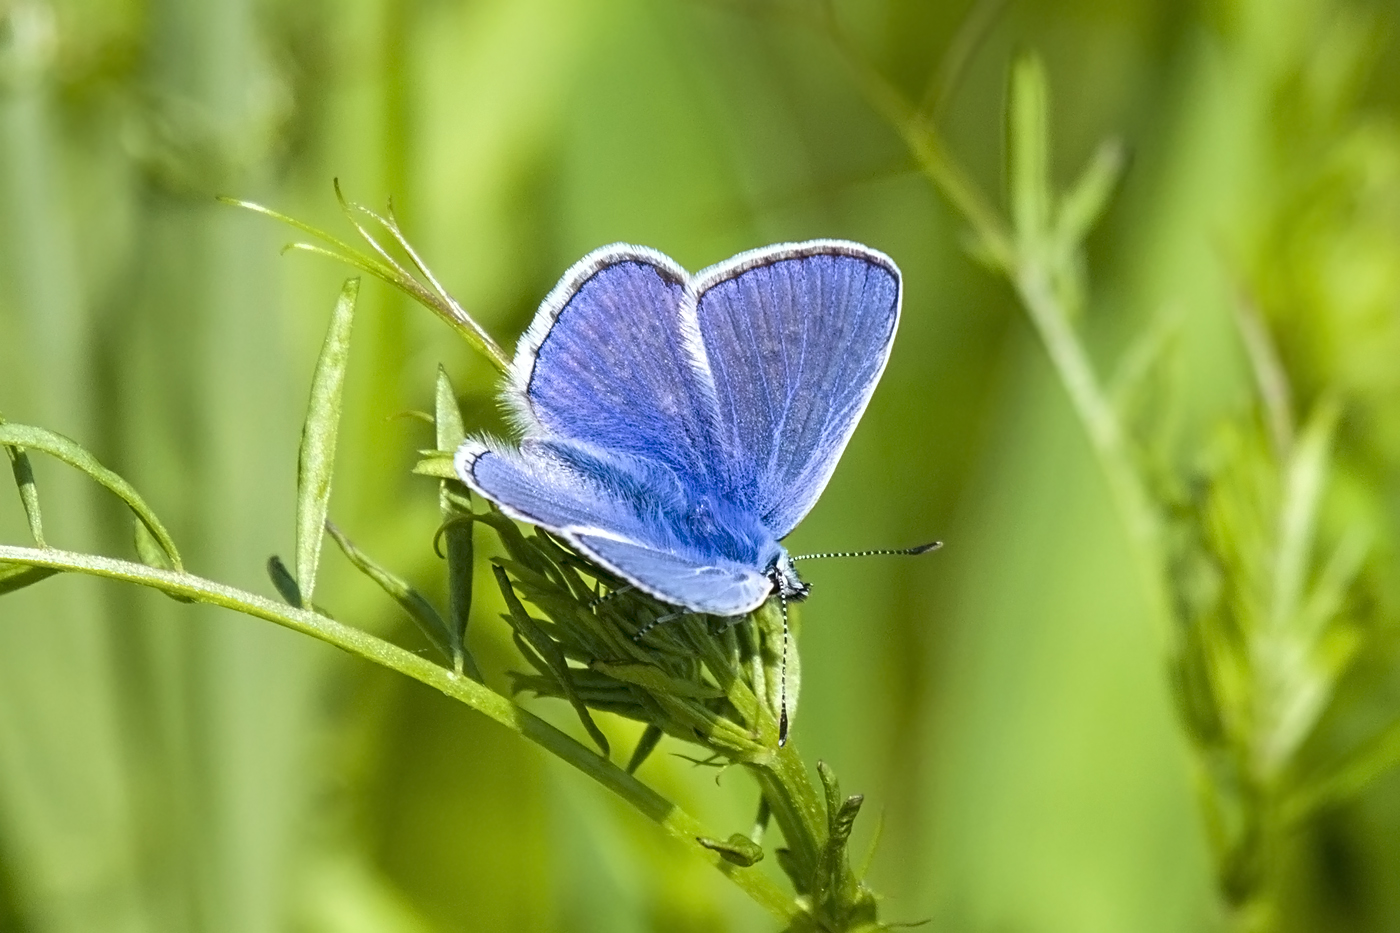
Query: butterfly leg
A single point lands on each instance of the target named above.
(659, 620)
(599, 600)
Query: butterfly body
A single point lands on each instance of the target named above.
(676, 427)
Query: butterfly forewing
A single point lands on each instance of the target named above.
(676, 428)
(796, 338)
(609, 360)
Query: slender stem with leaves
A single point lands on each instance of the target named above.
(705, 682)
(1248, 591)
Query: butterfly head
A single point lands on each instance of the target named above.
(786, 582)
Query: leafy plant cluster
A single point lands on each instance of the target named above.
(1262, 557)
(586, 637)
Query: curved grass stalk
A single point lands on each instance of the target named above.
(663, 812)
(1028, 258)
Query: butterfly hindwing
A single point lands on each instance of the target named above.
(677, 427)
(796, 337)
(614, 511)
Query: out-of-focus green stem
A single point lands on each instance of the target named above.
(927, 146)
(1049, 314)
(670, 817)
(1100, 421)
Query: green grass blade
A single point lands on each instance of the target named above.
(71, 453)
(389, 272)
(1306, 481)
(18, 576)
(1373, 759)
(454, 500)
(1029, 143)
(675, 821)
(550, 653)
(284, 582)
(149, 550)
(28, 492)
(412, 601)
(651, 737)
(451, 429)
(1084, 203)
(316, 462)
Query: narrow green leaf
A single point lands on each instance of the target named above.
(1373, 759)
(1084, 204)
(413, 602)
(454, 501)
(550, 652)
(436, 465)
(832, 789)
(654, 679)
(873, 845)
(651, 737)
(447, 415)
(1305, 481)
(834, 881)
(28, 492)
(316, 461)
(71, 453)
(792, 867)
(18, 576)
(1270, 377)
(149, 550)
(387, 270)
(1029, 142)
(283, 580)
(738, 848)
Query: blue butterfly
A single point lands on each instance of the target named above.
(677, 427)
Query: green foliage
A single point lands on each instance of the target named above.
(316, 463)
(1218, 319)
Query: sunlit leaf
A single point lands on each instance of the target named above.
(1029, 144)
(71, 453)
(413, 602)
(316, 461)
(28, 491)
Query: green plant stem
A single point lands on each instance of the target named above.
(479, 697)
(795, 804)
(1049, 315)
(1100, 422)
(927, 146)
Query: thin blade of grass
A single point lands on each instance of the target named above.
(454, 500)
(391, 274)
(1084, 203)
(550, 652)
(284, 582)
(413, 602)
(28, 492)
(149, 550)
(1372, 760)
(1029, 142)
(316, 461)
(1306, 480)
(651, 736)
(73, 454)
(18, 576)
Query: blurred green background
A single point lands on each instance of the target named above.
(171, 768)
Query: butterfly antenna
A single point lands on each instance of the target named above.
(919, 549)
(782, 677)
